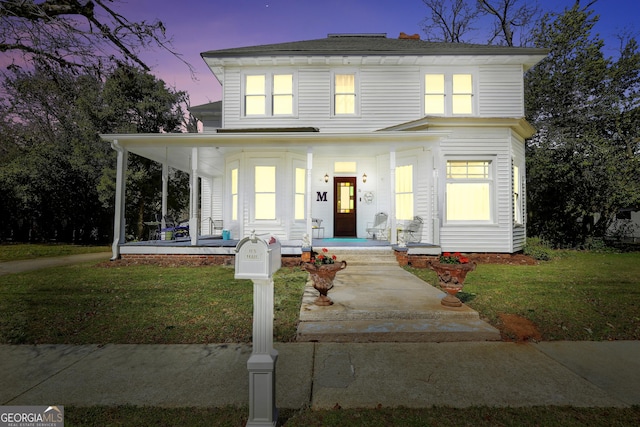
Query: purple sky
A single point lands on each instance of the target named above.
(200, 25)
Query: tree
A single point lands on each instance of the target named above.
(509, 17)
(448, 21)
(76, 34)
(53, 175)
(455, 21)
(582, 165)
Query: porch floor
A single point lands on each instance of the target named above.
(215, 245)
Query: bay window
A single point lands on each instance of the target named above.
(265, 192)
(469, 188)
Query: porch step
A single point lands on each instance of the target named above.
(364, 256)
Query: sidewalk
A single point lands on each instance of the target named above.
(581, 374)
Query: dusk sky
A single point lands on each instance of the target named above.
(201, 25)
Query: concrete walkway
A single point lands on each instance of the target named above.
(321, 375)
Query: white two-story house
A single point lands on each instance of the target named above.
(351, 125)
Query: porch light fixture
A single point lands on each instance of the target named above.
(326, 177)
(364, 177)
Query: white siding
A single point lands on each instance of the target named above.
(520, 230)
(494, 237)
(500, 91)
(388, 96)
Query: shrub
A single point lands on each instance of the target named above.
(538, 249)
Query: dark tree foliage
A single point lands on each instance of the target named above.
(56, 174)
(83, 35)
(582, 166)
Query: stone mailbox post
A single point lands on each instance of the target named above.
(257, 259)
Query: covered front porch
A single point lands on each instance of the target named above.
(215, 250)
(224, 185)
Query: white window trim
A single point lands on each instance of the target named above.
(492, 189)
(356, 74)
(448, 90)
(268, 93)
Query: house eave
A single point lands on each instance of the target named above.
(519, 124)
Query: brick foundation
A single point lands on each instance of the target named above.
(417, 261)
(195, 260)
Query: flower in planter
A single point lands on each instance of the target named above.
(455, 258)
(323, 258)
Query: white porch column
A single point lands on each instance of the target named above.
(436, 208)
(121, 184)
(308, 191)
(165, 192)
(193, 198)
(392, 203)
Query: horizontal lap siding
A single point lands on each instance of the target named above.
(500, 91)
(495, 237)
(388, 96)
(519, 232)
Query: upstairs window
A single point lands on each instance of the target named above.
(434, 94)
(448, 94)
(255, 95)
(282, 94)
(462, 94)
(344, 90)
(269, 95)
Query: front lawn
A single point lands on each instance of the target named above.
(14, 252)
(89, 304)
(576, 296)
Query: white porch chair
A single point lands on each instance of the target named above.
(412, 232)
(378, 228)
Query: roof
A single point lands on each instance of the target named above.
(370, 44)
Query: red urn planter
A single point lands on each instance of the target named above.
(322, 277)
(451, 280)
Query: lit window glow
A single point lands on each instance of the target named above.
(345, 94)
(404, 192)
(265, 192)
(468, 188)
(299, 202)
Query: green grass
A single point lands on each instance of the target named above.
(14, 252)
(85, 304)
(436, 416)
(576, 296)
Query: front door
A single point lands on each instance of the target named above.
(344, 207)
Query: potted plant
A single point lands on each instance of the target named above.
(452, 269)
(323, 268)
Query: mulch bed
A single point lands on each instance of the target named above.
(514, 259)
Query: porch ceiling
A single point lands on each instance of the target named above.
(175, 148)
